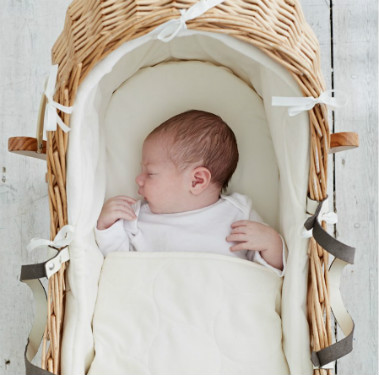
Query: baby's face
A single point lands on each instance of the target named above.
(161, 183)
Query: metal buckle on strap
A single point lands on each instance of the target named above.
(53, 265)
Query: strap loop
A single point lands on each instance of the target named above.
(343, 255)
(325, 240)
(345, 345)
(30, 274)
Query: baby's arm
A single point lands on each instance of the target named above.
(251, 235)
(110, 233)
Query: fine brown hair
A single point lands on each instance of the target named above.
(204, 138)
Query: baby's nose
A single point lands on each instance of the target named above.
(139, 180)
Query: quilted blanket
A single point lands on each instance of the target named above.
(187, 313)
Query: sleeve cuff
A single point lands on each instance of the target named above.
(107, 239)
(256, 257)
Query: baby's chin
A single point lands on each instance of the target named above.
(159, 210)
(152, 208)
(156, 210)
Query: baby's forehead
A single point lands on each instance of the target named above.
(156, 144)
(154, 154)
(166, 147)
(151, 164)
(162, 137)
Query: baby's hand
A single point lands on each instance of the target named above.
(116, 208)
(251, 235)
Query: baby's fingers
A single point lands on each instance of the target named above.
(126, 215)
(125, 198)
(238, 230)
(240, 223)
(236, 237)
(239, 247)
(127, 210)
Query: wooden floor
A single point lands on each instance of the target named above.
(347, 31)
(348, 34)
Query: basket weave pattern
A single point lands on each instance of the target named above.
(94, 28)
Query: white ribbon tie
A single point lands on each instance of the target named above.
(169, 30)
(62, 239)
(51, 115)
(300, 104)
(329, 217)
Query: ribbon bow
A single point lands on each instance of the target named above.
(51, 115)
(62, 239)
(170, 29)
(301, 104)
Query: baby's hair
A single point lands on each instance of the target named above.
(203, 138)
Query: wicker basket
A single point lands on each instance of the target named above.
(94, 28)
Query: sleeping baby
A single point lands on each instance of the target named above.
(187, 162)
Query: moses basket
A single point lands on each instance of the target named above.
(124, 66)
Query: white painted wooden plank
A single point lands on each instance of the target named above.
(355, 57)
(355, 69)
(317, 14)
(355, 64)
(28, 30)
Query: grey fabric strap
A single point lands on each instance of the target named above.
(345, 345)
(326, 241)
(333, 352)
(34, 370)
(30, 274)
(343, 255)
(33, 271)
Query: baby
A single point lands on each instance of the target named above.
(186, 163)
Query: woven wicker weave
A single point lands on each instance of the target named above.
(94, 28)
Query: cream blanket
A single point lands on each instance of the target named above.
(187, 313)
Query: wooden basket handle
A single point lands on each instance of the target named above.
(343, 141)
(40, 122)
(29, 146)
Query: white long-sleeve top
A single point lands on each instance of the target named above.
(202, 230)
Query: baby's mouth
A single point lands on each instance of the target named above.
(140, 193)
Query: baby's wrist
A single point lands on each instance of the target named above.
(102, 226)
(274, 241)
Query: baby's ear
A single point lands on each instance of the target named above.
(201, 178)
